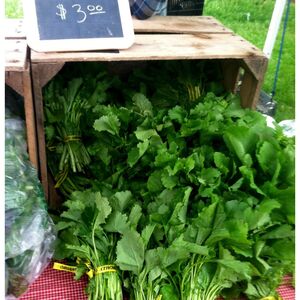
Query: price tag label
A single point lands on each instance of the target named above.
(68, 25)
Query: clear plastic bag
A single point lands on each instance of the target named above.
(29, 231)
(288, 126)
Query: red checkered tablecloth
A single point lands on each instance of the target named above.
(56, 285)
(59, 285)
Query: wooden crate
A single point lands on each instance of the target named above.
(163, 38)
(18, 77)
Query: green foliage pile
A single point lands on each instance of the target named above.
(187, 195)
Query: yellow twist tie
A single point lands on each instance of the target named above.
(60, 177)
(72, 138)
(78, 260)
(90, 273)
(105, 269)
(271, 298)
(159, 297)
(51, 148)
(87, 263)
(62, 267)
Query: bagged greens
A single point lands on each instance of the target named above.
(29, 231)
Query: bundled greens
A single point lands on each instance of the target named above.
(186, 194)
(89, 244)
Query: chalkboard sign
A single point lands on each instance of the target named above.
(78, 25)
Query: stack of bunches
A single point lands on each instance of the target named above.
(170, 189)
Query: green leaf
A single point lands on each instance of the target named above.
(165, 257)
(180, 243)
(164, 158)
(240, 140)
(136, 153)
(121, 200)
(210, 176)
(64, 225)
(261, 214)
(217, 235)
(130, 252)
(267, 157)
(65, 237)
(232, 269)
(168, 181)
(238, 238)
(280, 232)
(184, 164)
(80, 271)
(242, 269)
(104, 155)
(154, 272)
(73, 89)
(143, 147)
(108, 123)
(177, 114)
(179, 213)
(117, 222)
(144, 135)
(283, 250)
(286, 198)
(143, 105)
(74, 215)
(133, 156)
(204, 223)
(76, 202)
(263, 266)
(135, 215)
(147, 233)
(154, 183)
(168, 292)
(248, 175)
(236, 186)
(103, 207)
(222, 162)
(82, 251)
(287, 163)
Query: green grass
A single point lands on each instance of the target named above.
(233, 14)
(13, 8)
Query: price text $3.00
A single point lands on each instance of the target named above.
(81, 12)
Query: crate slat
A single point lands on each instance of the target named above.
(15, 55)
(179, 24)
(163, 47)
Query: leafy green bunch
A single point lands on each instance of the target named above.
(88, 233)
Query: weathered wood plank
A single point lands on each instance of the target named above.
(14, 28)
(15, 81)
(15, 55)
(179, 24)
(39, 114)
(252, 81)
(257, 66)
(231, 69)
(30, 118)
(48, 71)
(164, 47)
